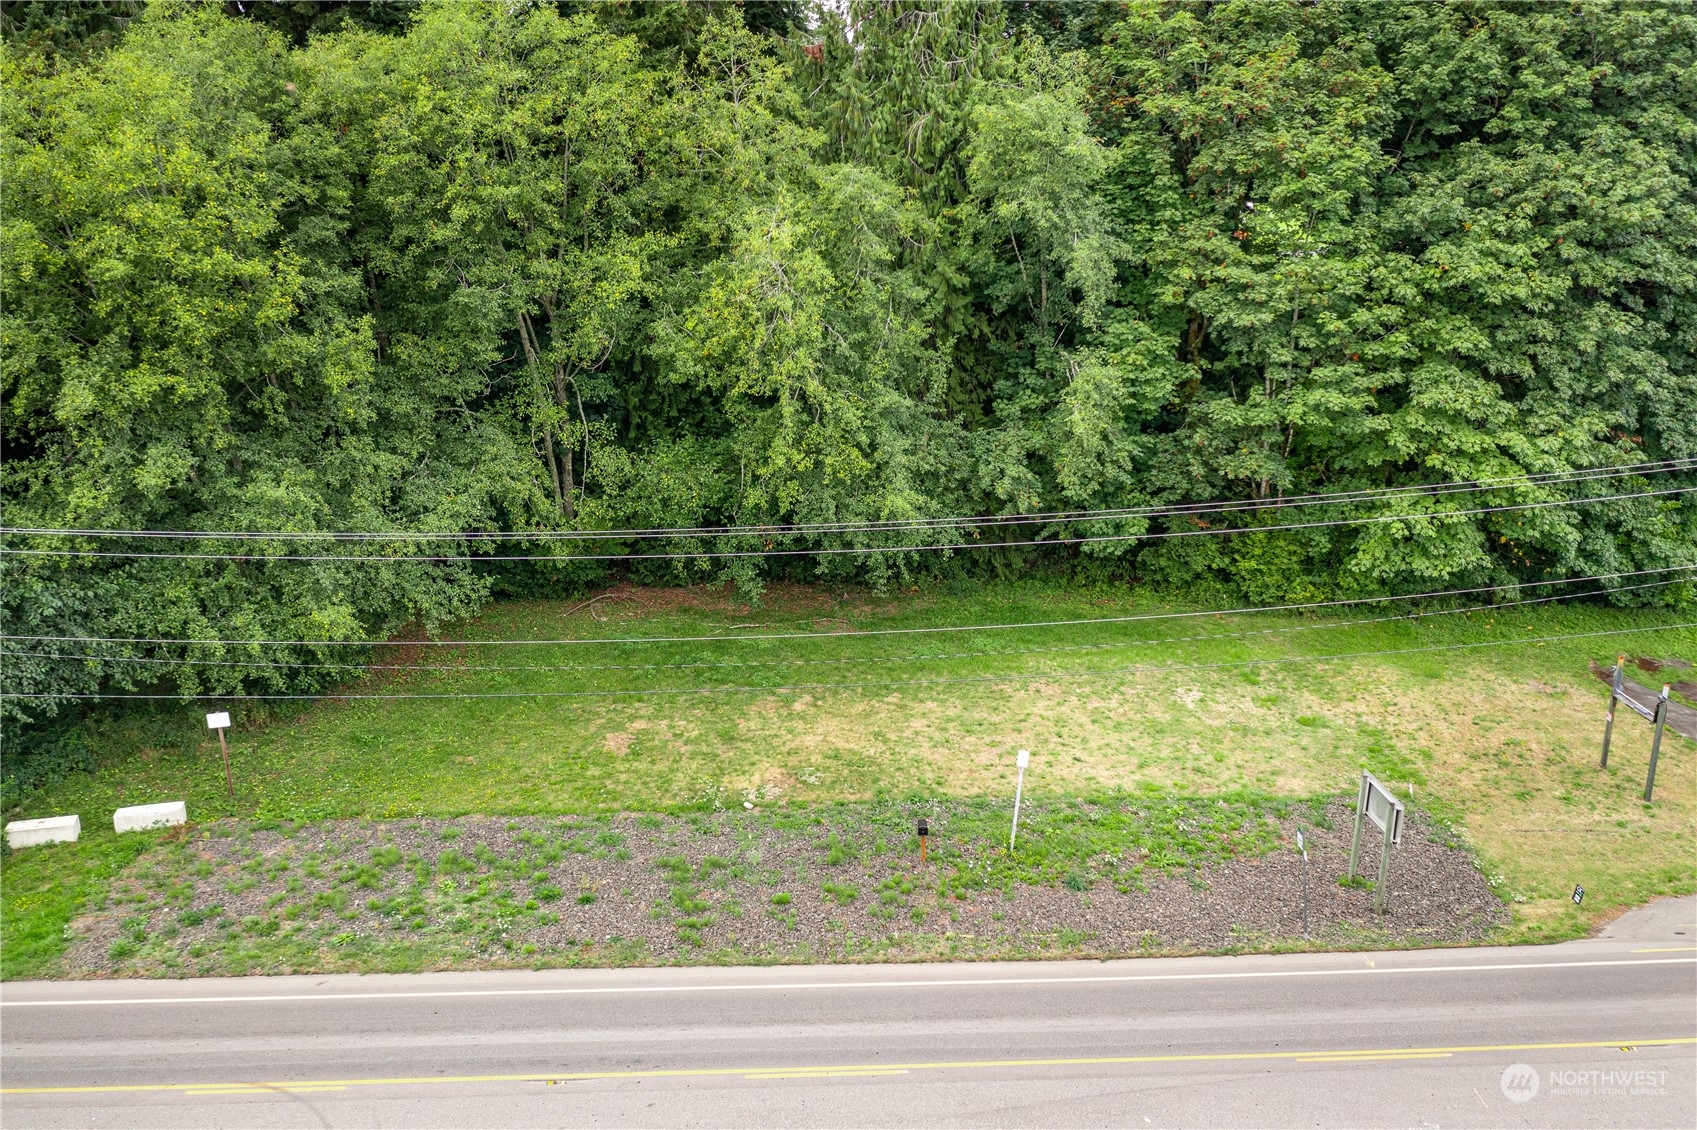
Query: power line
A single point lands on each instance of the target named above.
(837, 550)
(866, 633)
(1417, 491)
(468, 668)
(1097, 672)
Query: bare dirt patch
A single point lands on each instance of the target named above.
(813, 605)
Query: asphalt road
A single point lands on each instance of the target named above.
(1606, 1031)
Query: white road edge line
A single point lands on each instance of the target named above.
(809, 985)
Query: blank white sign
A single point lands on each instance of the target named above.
(219, 721)
(1383, 809)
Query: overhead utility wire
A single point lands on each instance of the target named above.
(864, 633)
(897, 524)
(830, 551)
(1030, 677)
(880, 525)
(470, 667)
(1416, 491)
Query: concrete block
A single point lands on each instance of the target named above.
(144, 816)
(48, 830)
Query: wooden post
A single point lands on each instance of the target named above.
(1021, 759)
(229, 784)
(1614, 694)
(1656, 743)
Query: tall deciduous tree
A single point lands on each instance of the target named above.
(454, 267)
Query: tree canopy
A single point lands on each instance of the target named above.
(446, 267)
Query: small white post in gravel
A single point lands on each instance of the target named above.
(1022, 760)
(1303, 848)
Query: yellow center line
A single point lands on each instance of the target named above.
(1669, 949)
(844, 1069)
(1385, 1054)
(1345, 1058)
(269, 1086)
(827, 1073)
(814, 1070)
(257, 1090)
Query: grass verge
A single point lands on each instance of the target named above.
(1102, 876)
(1495, 741)
(43, 889)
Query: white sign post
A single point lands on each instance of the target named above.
(1378, 804)
(1303, 848)
(1022, 760)
(220, 721)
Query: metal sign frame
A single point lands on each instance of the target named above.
(1385, 811)
(1377, 803)
(1657, 717)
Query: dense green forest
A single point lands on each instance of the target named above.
(557, 266)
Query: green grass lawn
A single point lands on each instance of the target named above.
(1500, 740)
(44, 888)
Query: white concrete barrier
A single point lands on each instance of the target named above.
(48, 830)
(144, 816)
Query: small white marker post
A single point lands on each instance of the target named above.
(1022, 760)
(1303, 848)
(221, 722)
